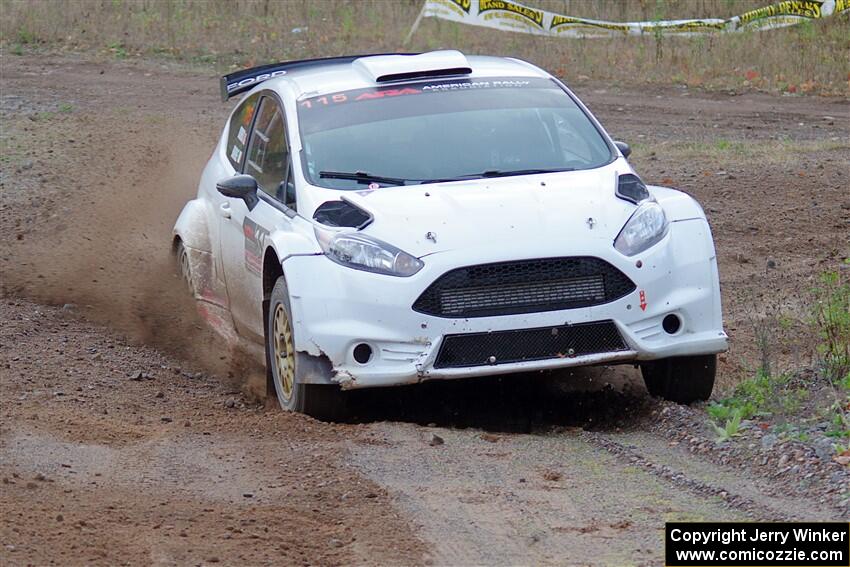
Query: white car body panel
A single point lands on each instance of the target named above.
(446, 225)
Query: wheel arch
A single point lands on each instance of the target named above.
(317, 367)
(191, 227)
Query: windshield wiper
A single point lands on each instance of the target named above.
(361, 177)
(497, 173)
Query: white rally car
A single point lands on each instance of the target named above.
(386, 219)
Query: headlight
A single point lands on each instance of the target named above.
(646, 226)
(363, 252)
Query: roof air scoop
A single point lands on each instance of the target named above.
(388, 68)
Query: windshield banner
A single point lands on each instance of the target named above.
(513, 16)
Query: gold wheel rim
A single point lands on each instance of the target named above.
(284, 353)
(185, 269)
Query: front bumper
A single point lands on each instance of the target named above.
(336, 308)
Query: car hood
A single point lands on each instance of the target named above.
(525, 213)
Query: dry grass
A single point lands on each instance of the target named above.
(226, 33)
(737, 152)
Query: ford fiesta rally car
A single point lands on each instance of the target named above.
(386, 219)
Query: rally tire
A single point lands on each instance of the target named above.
(684, 379)
(184, 267)
(286, 366)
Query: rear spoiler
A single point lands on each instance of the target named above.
(241, 81)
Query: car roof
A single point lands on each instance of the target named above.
(335, 76)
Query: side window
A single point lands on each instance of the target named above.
(267, 151)
(237, 135)
(289, 192)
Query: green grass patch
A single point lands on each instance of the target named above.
(831, 319)
(761, 396)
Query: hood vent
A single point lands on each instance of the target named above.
(342, 214)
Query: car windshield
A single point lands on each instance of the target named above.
(445, 130)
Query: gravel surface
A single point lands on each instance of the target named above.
(129, 434)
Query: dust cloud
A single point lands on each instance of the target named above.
(107, 253)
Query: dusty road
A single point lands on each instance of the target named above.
(129, 435)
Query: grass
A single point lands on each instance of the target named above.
(760, 396)
(791, 402)
(831, 319)
(730, 429)
(765, 152)
(809, 58)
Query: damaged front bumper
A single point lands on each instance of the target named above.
(336, 308)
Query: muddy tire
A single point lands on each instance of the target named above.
(683, 379)
(287, 368)
(184, 267)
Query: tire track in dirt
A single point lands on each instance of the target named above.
(116, 169)
(643, 450)
(527, 499)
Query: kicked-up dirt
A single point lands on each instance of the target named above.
(128, 434)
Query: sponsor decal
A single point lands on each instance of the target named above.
(535, 16)
(253, 80)
(255, 240)
(803, 8)
(464, 5)
(642, 300)
(514, 16)
(562, 21)
(359, 95)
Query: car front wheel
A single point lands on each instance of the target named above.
(682, 379)
(287, 367)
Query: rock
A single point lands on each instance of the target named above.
(771, 264)
(248, 495)
(489, 437)
(436, 440)
(40, 477)
(159, 395)
(137, 376)
(552, 476)
(230, 403)
(60, 517)
(336, 543)
(768, 441)
(69, 307)
(823, 448)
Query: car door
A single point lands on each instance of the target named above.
(245, 231)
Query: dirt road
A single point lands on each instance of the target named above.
(129, 435)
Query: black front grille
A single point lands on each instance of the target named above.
(524, 286)
(503, 347)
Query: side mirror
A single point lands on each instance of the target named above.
(240, 187)
(624, 148)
